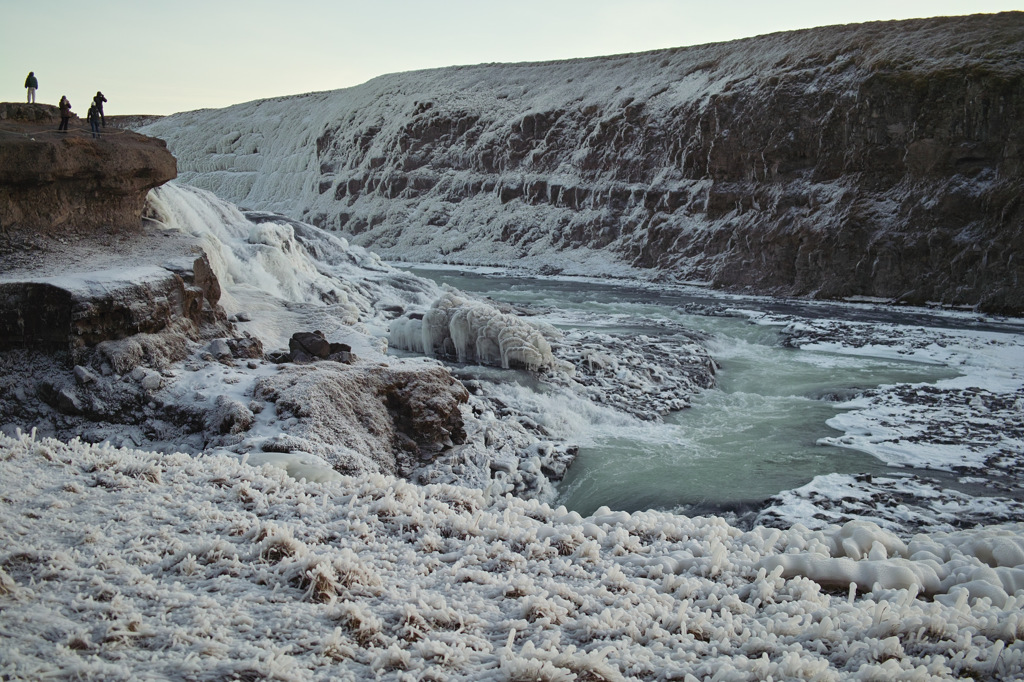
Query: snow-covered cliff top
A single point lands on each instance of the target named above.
(831, 162)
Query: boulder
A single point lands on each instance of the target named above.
(312, 346)
(308, 346)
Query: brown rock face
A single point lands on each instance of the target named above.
(78, 266)
(366, 417)
(55, 184)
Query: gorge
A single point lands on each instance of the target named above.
(874, 160)
(234, 445)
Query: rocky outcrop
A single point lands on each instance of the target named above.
(78, 310)
(114, 332)
(55, 184)
(79, 265)
(880, 159)
(366, 417)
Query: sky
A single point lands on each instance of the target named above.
(166, 56)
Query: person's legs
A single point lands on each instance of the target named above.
(64, 123)
(31, 95)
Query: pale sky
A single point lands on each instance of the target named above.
(165, 56)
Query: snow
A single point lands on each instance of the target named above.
(262, 260)
(981, 409)
(474, 332)
(236, 561)
(430, 141)
(121, 564)
(902, 504)
(96, 283)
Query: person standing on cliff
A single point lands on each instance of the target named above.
(31, 83)
(94, 120)
(65, 113)
(97, 102)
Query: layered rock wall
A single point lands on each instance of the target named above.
(68, 202)
(55, 184)
(879, 160)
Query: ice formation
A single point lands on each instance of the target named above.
(474, 332)
(117, 563)
(271, 265)
(122, 564)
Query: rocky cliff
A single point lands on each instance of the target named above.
(56, 184)
(880, 159)
(79, 266)
(112, 327)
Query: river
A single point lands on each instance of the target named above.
(757, 432)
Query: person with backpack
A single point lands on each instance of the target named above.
(31, 83)
(65, 113)
(94, 120)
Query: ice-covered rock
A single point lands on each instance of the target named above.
(875, 159)
(471, 331)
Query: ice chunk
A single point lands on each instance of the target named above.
(474, 332)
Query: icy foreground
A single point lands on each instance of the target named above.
(121, 564)
(248, 558)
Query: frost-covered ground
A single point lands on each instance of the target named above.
(137, 563)
(121, 564)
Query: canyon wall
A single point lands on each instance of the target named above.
(77, 264)
(876, 160)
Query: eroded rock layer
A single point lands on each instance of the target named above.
(879, 159)
(75, 310)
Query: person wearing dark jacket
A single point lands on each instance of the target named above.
(97, 102)
(65, 113)
(31, 83)
(94, 120)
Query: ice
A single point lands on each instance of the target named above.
(119, 564)
(474, 332)
(978, 411)
(122, 563)
(267, 263)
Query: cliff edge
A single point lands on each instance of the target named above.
(54, 184)
(78, 263)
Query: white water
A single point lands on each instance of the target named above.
(752, 436)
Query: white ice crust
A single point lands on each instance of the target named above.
(121, 564)
(473, 332)
(117, 563)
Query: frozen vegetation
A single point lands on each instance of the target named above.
(122, 564)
